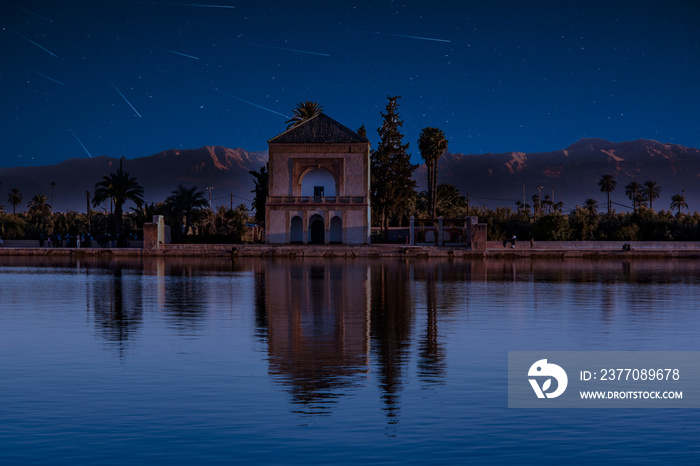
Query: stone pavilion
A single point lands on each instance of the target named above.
(318, 185)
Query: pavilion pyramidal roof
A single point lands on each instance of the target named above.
(319, 129)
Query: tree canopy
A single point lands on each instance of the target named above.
(262, 179)
(304, 111)
(392, 188)
(651, 190)
(14, 198)
(607, 185)
(121, 187)
(182, 203)
(432, 144)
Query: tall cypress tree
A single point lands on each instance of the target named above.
(392, 188)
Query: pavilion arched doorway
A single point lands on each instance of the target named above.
(316, 230)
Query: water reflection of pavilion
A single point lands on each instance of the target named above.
(317, 320)
(326, 322)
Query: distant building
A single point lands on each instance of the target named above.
(318, 186)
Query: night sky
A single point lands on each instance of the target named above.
(117, 78)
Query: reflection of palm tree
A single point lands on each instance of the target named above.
(117, 319)
(678, 202)
(431, 365)
(183, 202)
(607, 185)
(14, 198)
(432, 144)
(121, 187)
(39, 205)
(304, 111)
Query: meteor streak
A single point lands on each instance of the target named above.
(251, 103)
(32, 42)
(183, 54)
(291, 50)
(200, 5)
(32, 13)
(125, 99)
(47, 77)
(210, 6)
(80, 142)
(400, 35)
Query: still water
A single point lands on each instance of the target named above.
(182, 361)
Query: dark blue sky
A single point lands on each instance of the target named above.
(90, 78)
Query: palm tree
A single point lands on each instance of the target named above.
(591, 205)
(183, 202)
(432, 144)
(633, 191)
(607, 185)
(678, 202)
(449, 201)
(146, 212)
(518, 204)
(121, 187)
(39, 204)
(651, 191)
(14, 198)
(304, 111)
(547, 204)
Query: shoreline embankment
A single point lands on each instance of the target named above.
(563, 249)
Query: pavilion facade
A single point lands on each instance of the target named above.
(318, 190)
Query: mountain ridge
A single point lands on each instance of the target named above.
(569, 175)
(572, 173)
(223, 168)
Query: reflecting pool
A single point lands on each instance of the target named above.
(313, 361)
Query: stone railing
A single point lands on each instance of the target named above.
(316, 200)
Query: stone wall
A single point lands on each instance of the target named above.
(598, 245)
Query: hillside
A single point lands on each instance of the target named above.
(224, 169)
(573, 173)
(490, 179)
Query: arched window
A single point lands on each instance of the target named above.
(318, 182)
(296, 231)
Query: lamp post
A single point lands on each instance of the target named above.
(209, 188)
